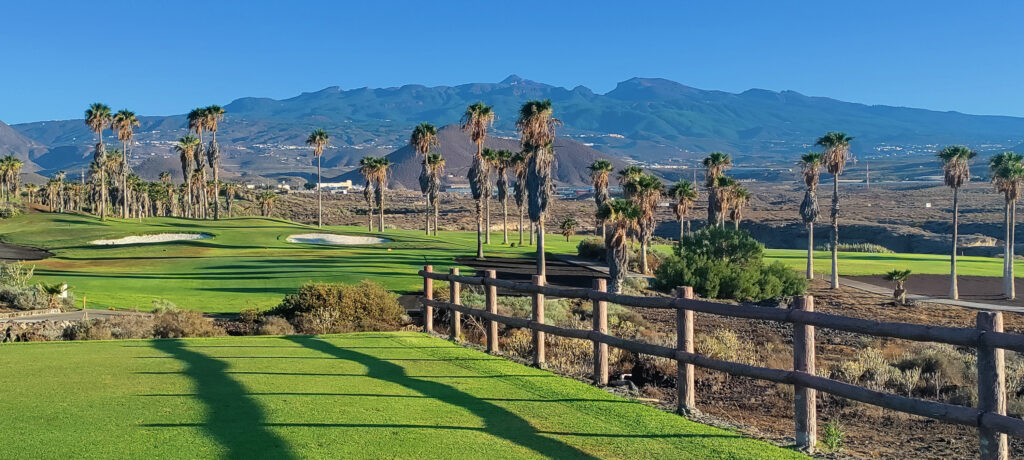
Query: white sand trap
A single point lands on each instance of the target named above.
(330, 238)
(151, 239)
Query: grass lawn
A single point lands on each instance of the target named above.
(247, 264)
(368, 395)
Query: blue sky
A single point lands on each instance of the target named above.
(162, 58)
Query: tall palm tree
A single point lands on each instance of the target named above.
(956, 171)
(30, 189)
(518, 165)
(715, 166)
(739, 197)
(1008, 176)
(214, 114)
(98, 118)
(185, 148)
(627, 178)
(318, 139)
(124, 124)
(382, 168)
(423, 139)
(367, 167)
(490, 162)
(476, 120)
(599, 172)
(837, 152)
(197, 120)
(435, 166)
(647, 192)
(266, 200)
(722, 190)
(536, 125)
(622, 216)
(685, 194)
(502, 161)
(10, 175)
(230, 191)
(810, 168)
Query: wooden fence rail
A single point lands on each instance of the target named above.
(988, 338)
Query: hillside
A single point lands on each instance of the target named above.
(648, 119)
(14, 143)
(572, 159)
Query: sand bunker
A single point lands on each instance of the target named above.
(151, 239)
(330, 238)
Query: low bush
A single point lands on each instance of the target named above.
(324, 308)
(16, 275)
(23, 298)
(274, 325)
(593, 249)
(7, 211)
(170, 322)
(729, 264)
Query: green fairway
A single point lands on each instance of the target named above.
(859, 263)
(247, 263)
(369, 395)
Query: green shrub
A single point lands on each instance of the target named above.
(23, 298)
(17, 275)
(729, 264)
(7, 212)
(275, 325)
(593, 249)
(323, 308)
(832, 436)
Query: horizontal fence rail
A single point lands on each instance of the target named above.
(990, 419)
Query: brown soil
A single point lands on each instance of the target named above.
(971, 288)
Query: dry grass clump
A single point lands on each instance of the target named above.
(274, 325)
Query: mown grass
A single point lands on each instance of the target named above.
(376, 395)
(247, 263)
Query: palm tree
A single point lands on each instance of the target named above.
(197, 120)
(647, 192)
(435, 166)
(715, 166)
(518, 165)
(622, 215)
(30, 189)
(186, 147)
(230, 190)
(536, 124)
(318, 140)
(98, 118)
(739, 197)
(721, 190)
(837, 152)
(367, 169)
(117, 166)
(266, 200)
(599, 172)
(810, 167)
(899, 277)
(214, 114)
(627, 178)
(685, 195)
(568, 228)
(382, 167)
(10, 175)
(1008, 176)
(956, 173)
(476, 120)
(423, 139)
(503, 161)
(124, 123)
(490, 157)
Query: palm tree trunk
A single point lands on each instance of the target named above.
(643, 256)
(953, 291)
(541, 262)
(533, 231)
(124, 180)
(810, 250)
(380, 206)
(1006, 248)
(1011, 280)
(479, 230)
(604, 231)
(681, 228)
(437, 214)
(835, 231)
(216, 188)
(487, 211)
(103, 195)
(617, 258)
(504, 221)
(319, 197)
(520, 225)
(426, 214)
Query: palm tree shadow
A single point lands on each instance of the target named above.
(233, 419)
(498, 421)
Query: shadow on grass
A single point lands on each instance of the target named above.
(233, 419)
(498, 421)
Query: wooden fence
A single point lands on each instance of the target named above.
(988, 339)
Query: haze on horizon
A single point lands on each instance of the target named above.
(161, 60)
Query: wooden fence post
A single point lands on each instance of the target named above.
(992, 388)
(428, 293)
(805, 399)
(686, 390)
(492, 307)
(600, 325)
(538, 316)
(455, 330)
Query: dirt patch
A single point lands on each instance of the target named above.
(986, 289)
(14, 252)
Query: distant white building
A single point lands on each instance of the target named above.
(338, 187)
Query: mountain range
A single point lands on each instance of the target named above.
(643, 119)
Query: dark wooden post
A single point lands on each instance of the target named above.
(455, 330)
(805, 399)
(992, 388)
(492, 306)
(600, 325)
(686, 390)
(538, 316)
(428, 293)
